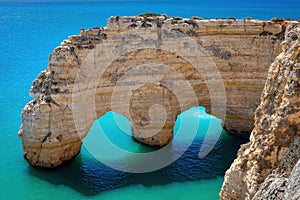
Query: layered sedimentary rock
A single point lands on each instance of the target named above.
(277, 125)
(149, 69)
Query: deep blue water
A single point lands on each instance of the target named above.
(29, 32)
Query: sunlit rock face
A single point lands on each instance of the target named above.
(277, 124)
(149, 69)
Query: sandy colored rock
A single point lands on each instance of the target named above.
(150, 69)
(277, 124)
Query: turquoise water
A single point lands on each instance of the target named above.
(29, 32)
(187, 178)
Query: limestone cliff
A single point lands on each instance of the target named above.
(277, 124)
(222, 64)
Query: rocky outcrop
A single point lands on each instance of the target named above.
(273, 188)
(284, 181)
(149, 69)
(278, 187)
(293, 187)
(277, 124)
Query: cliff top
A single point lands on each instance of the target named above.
(144, 21)
(193, 26)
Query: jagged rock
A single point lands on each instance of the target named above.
(273, 188)
(278, 187)
(293, 189)
(277, 124)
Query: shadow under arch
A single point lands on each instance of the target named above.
(116, 128)
(89, 177)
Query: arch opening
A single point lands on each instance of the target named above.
(116, 128)
(97, 178)
(54, 123)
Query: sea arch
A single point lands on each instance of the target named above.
(86, 74)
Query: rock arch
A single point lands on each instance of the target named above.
(116, 68)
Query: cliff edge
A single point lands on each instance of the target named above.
(277, 126)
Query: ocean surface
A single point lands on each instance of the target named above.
(29, 32)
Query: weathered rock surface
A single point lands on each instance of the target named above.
(284, 181)
(277, 124)
(222, 63)
(273, 188)
(293, 188)
(278, 187)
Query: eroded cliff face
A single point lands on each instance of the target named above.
(284, 181)
(222, 63)
(277, 124)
